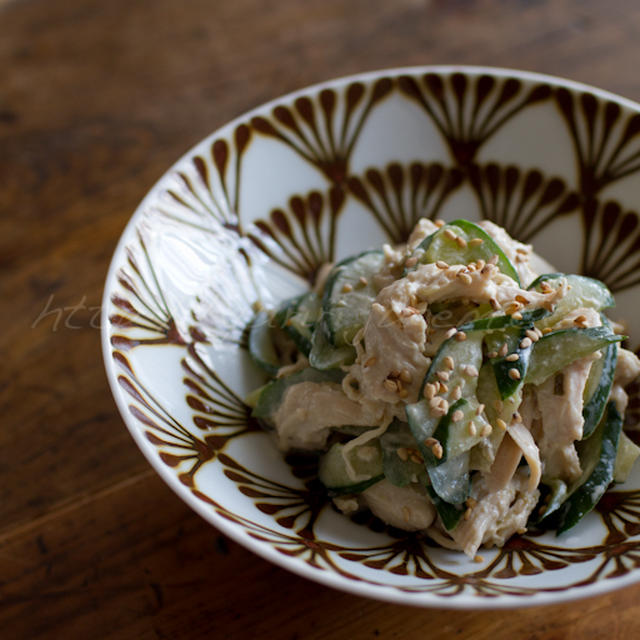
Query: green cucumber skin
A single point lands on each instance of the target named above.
(594, 408)
(607, 298)
(584, 292)
(323, 355)
(261, 345)
(289, 309)
(272, 394)
(339, 335)
(585, 497)
(398, 472)
(485, 251)
(450, 514)
(558, 349)
(332, 470)
(495, 323)
(508, 385)
(442, 435)
(359, 487)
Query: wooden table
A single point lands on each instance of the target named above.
(97, 99)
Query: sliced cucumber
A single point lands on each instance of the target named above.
(555, 493)
(324, 355)
(450, 514)
(504, 321)
(261, 347)
(510, 373)
(441, 246)
(556, 350)
(422, 422)
(628, 452)
(298, 316)
(348, 296)
(488, 394)
(272, 393)
(598, 388)
(597, 459)
(366, 462)
(583, 292)
(400, 471)
(450, 480)
(449, 474)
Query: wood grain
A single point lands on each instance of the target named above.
(97, 99)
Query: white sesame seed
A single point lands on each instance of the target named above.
(450, 234)
(448, 362)
(441, 264)
(429, 390)
(461, 242)
(532, 335)
(514, 374)
(390, 385)
(461, 336)
(475, 242)
(457, 415)
(525, 343)
(512, 357)
(471, 371)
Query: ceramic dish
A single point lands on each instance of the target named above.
(253, 210)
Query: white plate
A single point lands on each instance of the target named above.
(251, 212)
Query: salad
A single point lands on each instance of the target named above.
(455, 385)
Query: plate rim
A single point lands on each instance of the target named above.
(385, 593)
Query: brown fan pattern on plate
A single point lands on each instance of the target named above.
(323, 129)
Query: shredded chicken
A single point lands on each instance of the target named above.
(416, 309)
(627, 370)
(394, 337)
(494, 516)
(309, 409)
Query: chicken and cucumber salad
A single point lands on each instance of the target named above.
(455, 385)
